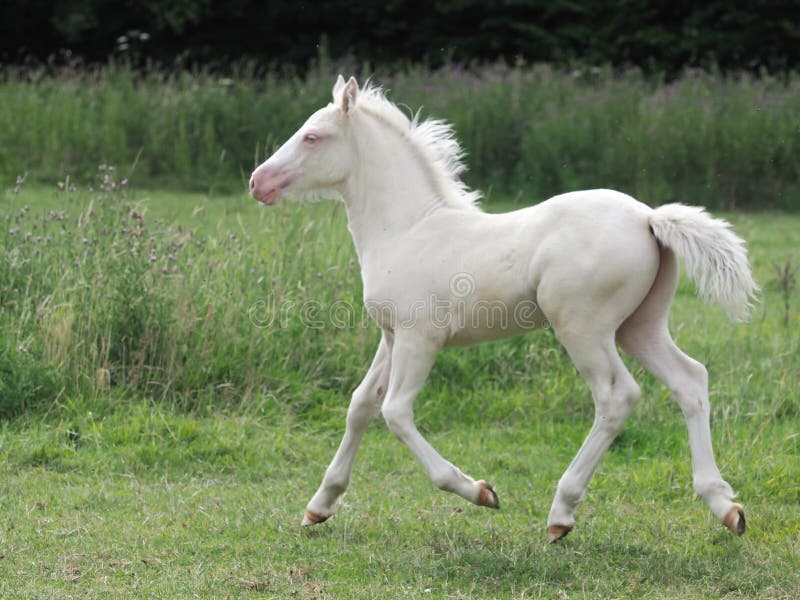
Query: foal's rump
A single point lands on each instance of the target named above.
(605, 250)
(596, 261)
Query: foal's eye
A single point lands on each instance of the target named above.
(310, 138)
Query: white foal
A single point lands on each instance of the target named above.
(597, 265)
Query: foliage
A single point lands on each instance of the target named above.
(529, 132)
(661, 37)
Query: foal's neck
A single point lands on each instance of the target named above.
(389, 191)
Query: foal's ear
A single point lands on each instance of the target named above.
(337, 88)
(349, 94)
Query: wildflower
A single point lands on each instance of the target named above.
(18, 185)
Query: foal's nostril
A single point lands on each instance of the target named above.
(252, 184)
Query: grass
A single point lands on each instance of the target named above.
(155, 517)
(163, 431)
(530, 131)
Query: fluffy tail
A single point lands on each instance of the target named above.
(715, 258)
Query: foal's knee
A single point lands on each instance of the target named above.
(364, 406)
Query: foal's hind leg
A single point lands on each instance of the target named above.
(645, 336)
(687, 379)
(615, 394)
(364, 407)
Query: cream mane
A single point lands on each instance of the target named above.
(433, 140)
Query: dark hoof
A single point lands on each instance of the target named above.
(487, 496)
(557, 532)
(311, 518)
(734, 520)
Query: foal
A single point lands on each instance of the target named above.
(596, 265)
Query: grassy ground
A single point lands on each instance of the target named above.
(180, 467)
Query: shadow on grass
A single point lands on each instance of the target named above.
(717, 564)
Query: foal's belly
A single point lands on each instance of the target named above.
(489, 320)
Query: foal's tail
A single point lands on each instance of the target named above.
(715, 258)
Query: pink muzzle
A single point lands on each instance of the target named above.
(267, 185)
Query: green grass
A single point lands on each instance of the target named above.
(158, 505)
(530, 131)
(158, 443)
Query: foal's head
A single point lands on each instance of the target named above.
(316, 159)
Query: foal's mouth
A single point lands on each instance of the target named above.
(270, 193)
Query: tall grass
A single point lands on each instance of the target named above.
(530, 131)
(101, 294)
(210, 302)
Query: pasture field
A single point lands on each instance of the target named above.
(728, 141)
(174, 375)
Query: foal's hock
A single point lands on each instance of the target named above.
(598, 266)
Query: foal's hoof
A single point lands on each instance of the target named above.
(734, 520)
(487, 496)
(556, 532)
(311, 518)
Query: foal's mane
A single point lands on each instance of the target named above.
(433, 140)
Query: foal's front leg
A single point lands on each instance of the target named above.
(412, 359)
(364, 407)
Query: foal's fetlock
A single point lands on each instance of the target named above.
(709, 489)
(718, 495)
(319, 509)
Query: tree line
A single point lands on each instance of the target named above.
(750, 35)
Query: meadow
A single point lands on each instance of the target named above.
(175, 375)
(176, 360)
(530, 131)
